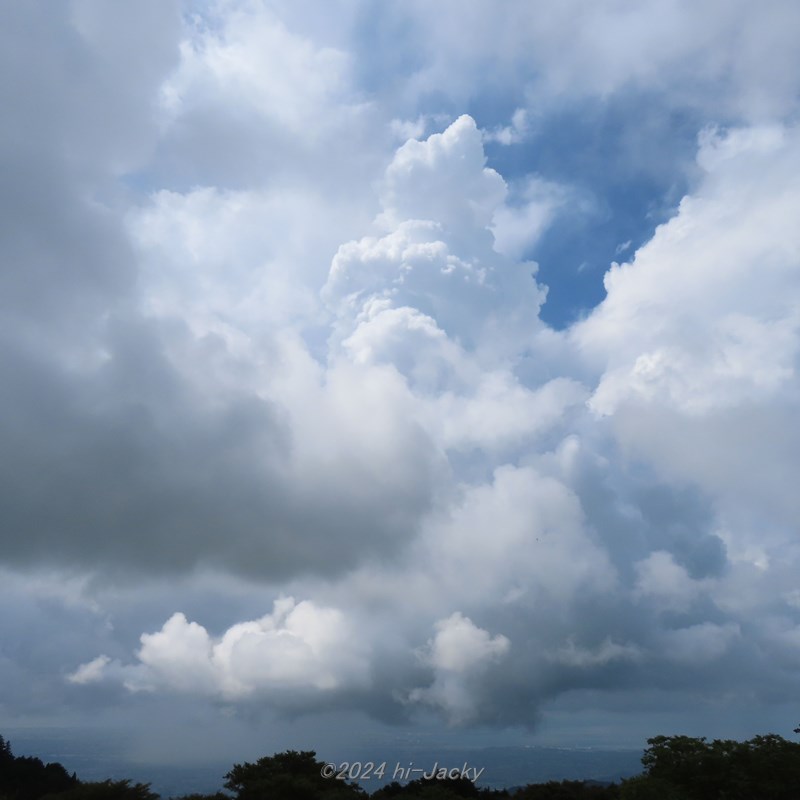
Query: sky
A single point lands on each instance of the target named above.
(398, 371)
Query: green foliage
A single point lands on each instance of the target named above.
(644, 787)
(195, 796)
(437, 789)
(765, 767)
(28, 778)
(107, 790)
(450, 787)
(291, 775)
(5, 752)
(567, 790)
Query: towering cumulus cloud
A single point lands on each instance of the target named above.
(593, 527)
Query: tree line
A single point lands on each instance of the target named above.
(675, 768)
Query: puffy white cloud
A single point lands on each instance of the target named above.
(461, 646)
(297, 650)
(414, 266)
(698, 339)
(179, 654)
(459, 652)
(710, 296)
(249, 60)
(444, 179)
(439, 200)
(523, 530)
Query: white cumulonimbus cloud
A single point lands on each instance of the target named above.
(431, 309)
(575, 566)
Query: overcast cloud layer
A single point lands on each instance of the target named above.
(282, 427)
